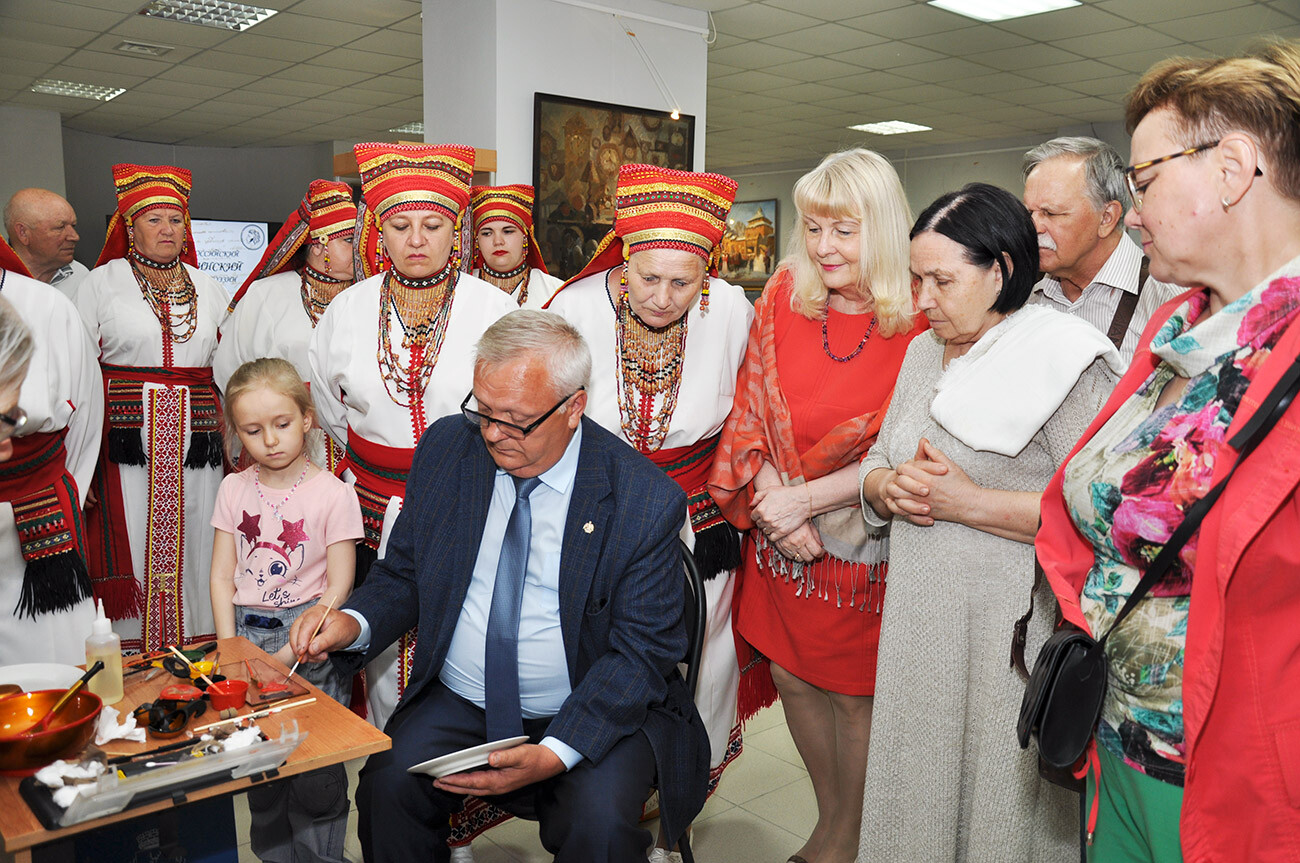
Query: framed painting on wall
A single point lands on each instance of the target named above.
(578, 147)
(749, 245)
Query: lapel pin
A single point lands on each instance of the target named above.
(588, 527)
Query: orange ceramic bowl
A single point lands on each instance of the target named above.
(66, 735)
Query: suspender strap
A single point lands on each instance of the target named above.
(1127, 305)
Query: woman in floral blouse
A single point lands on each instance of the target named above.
(1198, 748)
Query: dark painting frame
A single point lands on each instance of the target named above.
(578, 147)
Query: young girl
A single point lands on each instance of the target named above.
(286, 535)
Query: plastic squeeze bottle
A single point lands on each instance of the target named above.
(105, 645)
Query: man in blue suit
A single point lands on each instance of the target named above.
(538, 554)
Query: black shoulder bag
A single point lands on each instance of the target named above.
(1064, 696)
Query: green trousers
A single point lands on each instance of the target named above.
(1137, 816)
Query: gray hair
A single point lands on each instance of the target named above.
(16, 346)
(1103, 166)
(546, 334)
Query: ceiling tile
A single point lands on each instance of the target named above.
(391, 42)
(887, 55)
(1140, 61)
(116, 63)
(972, 39)
(919, 93)
(414, 24)
(1116, 42)
(1068, 74)
(1026, 56)
(1105, 86)
(909, 21)
(758, 20)
(64, 72)
(107, 44)
(254, 45)
(45, 34)
(834, 10)
(871, 82)
(414, 71)
(1150, 11)
(1000, 81)
(162, 32)
(860, 106)
(807, 93)
(1064, 23)
(1229, 45)
(374, 13)
(950, 69)
(712, 5)
(164, 85)
(824, 39)
(53, 12)
(214, 77)
(752, 82)
(1252, 21)
(223, 62)
(361, 61)
(755, 55)
(28, 68)
(126, 7)
(112, 126)
(323, 75)
(257, 99)
(754, 101)
(306, 28)
(285, 87)
(816, 69)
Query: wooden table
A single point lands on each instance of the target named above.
(335, 734)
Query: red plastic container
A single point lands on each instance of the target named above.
(228, 694)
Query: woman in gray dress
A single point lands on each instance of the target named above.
(987, 405)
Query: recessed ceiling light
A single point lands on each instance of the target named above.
(223, 14)
(890, 127)
(145, 48)
(1001, 10)
(416, 128)
(80, 91)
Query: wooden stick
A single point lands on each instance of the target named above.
(186, 660)
(257, 714)
(329, 605)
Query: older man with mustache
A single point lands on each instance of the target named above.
(1074, 191)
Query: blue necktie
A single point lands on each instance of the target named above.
(501, 649)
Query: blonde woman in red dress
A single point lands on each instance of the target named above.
(831, 330)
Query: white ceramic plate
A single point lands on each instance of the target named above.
(40, 675)
(465, 759)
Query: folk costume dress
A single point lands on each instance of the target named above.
(810, 398)
(161, 466)
(276, 310)
(377, 409)
(529, 285)
(675, 424)
(45, 590)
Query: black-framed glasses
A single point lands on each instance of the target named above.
(1130, 173)
(11, 423)
(510, 429)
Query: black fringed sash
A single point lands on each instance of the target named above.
(717, 543)
(45, 501)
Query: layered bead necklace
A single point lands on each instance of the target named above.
(826, 341)
(422, 307)
(318, 290)
(650, 366)
(508, 281)
(165, 287)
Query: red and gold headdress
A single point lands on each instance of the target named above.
(397, 177)
(662, 208)
(326, 212)
(512, 204)
(141, 188)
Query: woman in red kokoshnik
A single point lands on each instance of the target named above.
(275, 311)
(154, 316)
(395, 352)
(505, 249)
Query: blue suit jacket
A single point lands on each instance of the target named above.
(621, 596)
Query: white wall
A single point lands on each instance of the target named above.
(253, 183)
(522, 47)
(31, 150)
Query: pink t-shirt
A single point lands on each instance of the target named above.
(280, 560)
